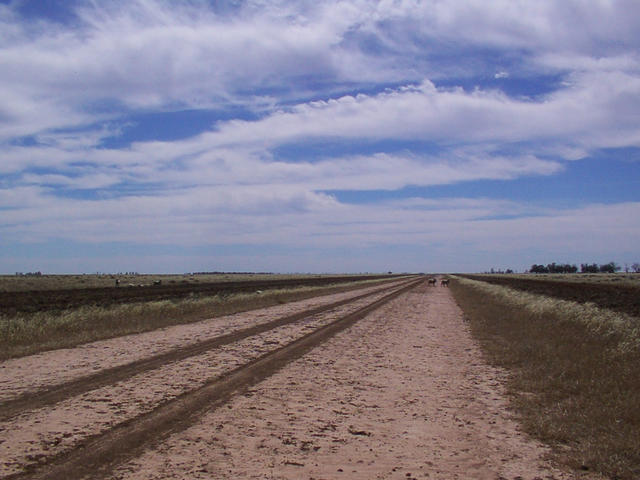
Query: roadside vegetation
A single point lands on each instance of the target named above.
(29, 333)
(572, 372)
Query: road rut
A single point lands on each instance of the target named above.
(124, 405)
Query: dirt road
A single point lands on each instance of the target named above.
(403, 393)
(63, 404)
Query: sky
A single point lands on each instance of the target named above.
(318, 136)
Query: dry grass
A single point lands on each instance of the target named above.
(573, 372)
(35, 332)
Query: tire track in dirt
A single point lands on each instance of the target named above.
(47, 432)
(101, 451)
(48, 369)
(55, 394)
(36, 435)
(403, 394)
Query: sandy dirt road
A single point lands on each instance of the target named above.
(405, 394)
(35, 434)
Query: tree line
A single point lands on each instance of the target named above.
(611, 267)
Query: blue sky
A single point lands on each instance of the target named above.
(334, 136)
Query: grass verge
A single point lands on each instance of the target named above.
(26, 334)
(573, 372)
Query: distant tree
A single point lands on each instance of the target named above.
(508, 270)
(557, 268)
(586, 268)
(636, 267)
(538, 269)
(611, 267)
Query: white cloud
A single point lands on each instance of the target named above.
(66, 88)
(598, 110)
(87, 182)
(625, 62)
(151, 54)
(218, 167)
(294, 217)
(392, 172)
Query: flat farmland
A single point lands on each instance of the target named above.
(380, 382)
(57, 292)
